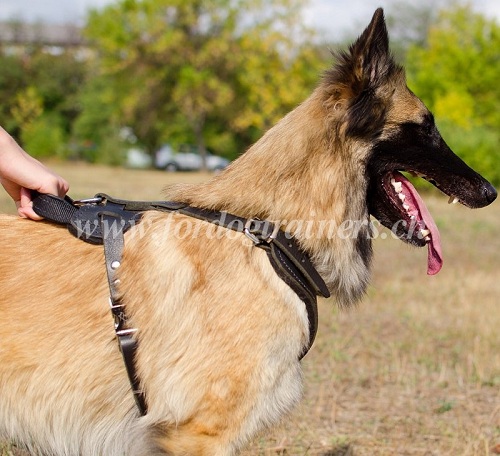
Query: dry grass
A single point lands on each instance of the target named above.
(413, 370)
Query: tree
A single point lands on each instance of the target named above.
(275, 73)
(96, 130)
(193, 70)
(59, 78)
(13, 79)
(39, 93)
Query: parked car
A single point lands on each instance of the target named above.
(137, 158)
(187, 158)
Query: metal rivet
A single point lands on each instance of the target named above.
(115, 265)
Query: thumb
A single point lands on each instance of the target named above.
(25, 205)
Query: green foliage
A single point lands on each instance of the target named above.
(12, 80)
(478, 146)
(36, 83)
(457, 75)
(27, 107)
(111, 151)
(202, 72)
(44, 137)
(445, 406)
(218, 73)
(58, 79)
(41, 134)
(98, 119)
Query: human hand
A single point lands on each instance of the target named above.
(20, 174)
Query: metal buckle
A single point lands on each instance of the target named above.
(274, 234)
(256, 240)
(249, 234)
(126, 332)
(118, 315)
(88, 201)
(120, 319)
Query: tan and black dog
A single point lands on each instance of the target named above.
(220, 333)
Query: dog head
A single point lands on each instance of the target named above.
(382, 112)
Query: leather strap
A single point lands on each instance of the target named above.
(83, 223)
(98, 224)
(53, 208)
(265, 232)
(113, 249)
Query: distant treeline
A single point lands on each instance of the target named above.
(217, 74)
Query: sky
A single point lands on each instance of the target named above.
(333, 17)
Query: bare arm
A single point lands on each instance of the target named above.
(20, 173)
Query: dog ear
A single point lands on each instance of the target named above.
(370, 53)
(358, 74)
(372, 65)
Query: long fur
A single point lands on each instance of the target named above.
(220, 333)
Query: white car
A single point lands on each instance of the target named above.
(137, 158)
(187, 159)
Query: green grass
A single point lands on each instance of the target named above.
(414, 369)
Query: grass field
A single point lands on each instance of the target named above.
(414, 369)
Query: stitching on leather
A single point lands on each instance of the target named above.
(292, 273)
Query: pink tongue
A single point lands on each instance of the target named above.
(423, 217)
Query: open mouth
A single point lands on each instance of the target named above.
(415, 225)
(395, 202)
(417, 148)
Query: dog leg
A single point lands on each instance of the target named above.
(222, 426)
(193, 438)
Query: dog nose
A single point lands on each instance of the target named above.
(489, 192)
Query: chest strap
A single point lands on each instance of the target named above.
(104, 220)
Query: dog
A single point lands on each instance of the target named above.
(220, 333)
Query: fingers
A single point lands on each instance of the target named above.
(20, 174)
(25, 205)
(40, 178)
(33, 176)
(51, 183)
(22, 198)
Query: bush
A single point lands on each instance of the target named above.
(111, 151)
(44, 137)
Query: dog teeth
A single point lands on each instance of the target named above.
(453, 200)
(402, 197)
(406, 207)
(425, 233)
(398, 186)
(427, 238)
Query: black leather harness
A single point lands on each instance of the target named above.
(104, 220)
